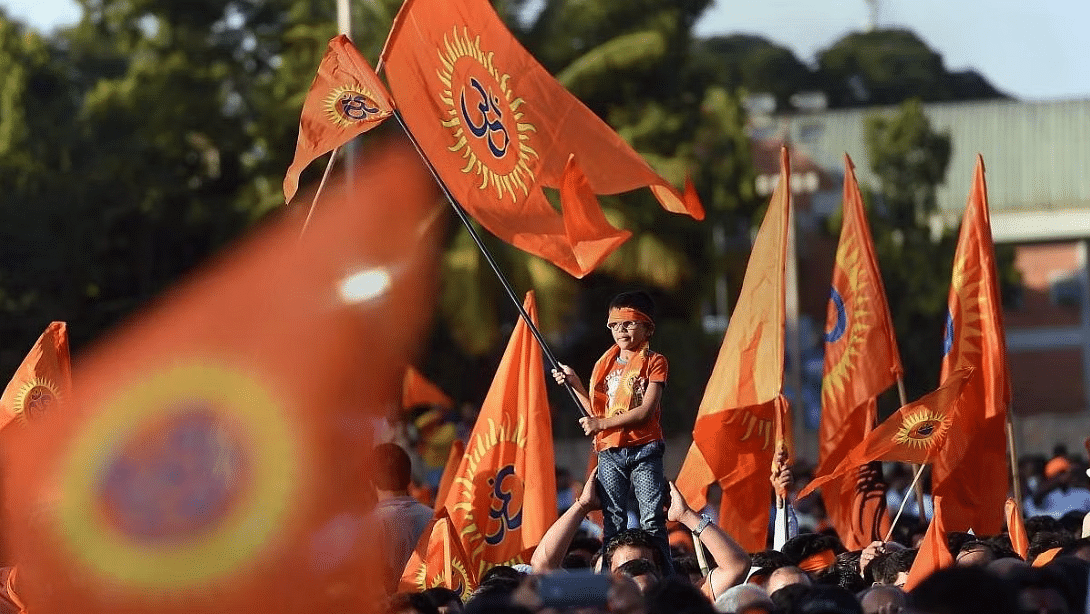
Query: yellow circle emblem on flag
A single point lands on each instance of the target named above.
(349, 105)
(921, 429)
(35, 398)
(181, 478)
(483, 115)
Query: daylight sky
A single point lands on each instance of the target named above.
(1031, 50)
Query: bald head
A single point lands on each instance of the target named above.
(744, 598)
(786, 576)
(882, 598)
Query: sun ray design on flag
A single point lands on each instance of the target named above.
(348, 105)
(474, 516)
(35, 398)
(854, 320)
(964, 334)
(925, 428)
(483, 112)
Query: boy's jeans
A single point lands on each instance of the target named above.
(636, 469)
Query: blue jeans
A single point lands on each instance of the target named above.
(635, 470)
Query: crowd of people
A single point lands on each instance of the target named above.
(812, 573)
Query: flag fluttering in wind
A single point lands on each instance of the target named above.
(920, 432)
(861, 361)
(934, 554)
(345, 100)
(454, 460)
(211, 454)
(440, 560)
(498, 128)
(419, 390)
(743, 414)
(42, 380)
(1016, 528)
(976, 487)
(503, 497)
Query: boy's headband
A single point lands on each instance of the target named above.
(622, 314)
(817, 561)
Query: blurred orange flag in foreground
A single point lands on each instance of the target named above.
(742, 416)
(498, 128)
(345, 100)
(44, 377)
(210, 459)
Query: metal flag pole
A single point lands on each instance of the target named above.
(916, 468)
(510, 291)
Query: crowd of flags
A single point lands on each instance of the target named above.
(206, 456)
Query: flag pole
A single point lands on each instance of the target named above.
(508, 289)
(1016, 484)
(915, 481)
(915, 467)
(318, 192)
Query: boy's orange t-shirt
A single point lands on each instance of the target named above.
(655, 369)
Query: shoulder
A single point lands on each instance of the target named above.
(657, 367)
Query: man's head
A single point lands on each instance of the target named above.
(629, 545)
(974, 553)
(891, 568)
(813, 552)
(786, 576)
(642, 571)
(882, 598)
(745, 598)
(392, 468)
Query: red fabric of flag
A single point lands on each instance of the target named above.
(861, 360)
(212, 454)
(976, 486)
(345, 100)
(498, 128)
(42, 381)
(743, 412)
(503, 497)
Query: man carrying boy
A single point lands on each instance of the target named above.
(625, 389)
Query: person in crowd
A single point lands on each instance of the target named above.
(763, 564)
(813, 552)
(958, 590)
(642, 571)
(623, 407)
(745, 599)
(882, 599)
(891, 568)
(1058, 493)
(445, 600)
(786, 576)
(845, 572)
(401, 518)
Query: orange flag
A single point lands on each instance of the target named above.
(440, 560)
(210, 458)
(917, 433)
(976, 488)
(743, 412)
(454, 459)
(418, 390)
(861, 360)
(345, 100)
(503, 497)
(498, 128)
(44, 378)
(1016, 528)
(934, 553)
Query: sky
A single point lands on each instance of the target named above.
(1030, 50)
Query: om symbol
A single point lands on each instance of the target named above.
(507, 522)
(38, 400)
(834, 335)
(356, 106)
(490, 121)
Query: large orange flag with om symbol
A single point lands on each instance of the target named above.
(498, 128)
(743, 415)
(211, 454)
(861, 360)
(975, 489)
(503, 496)
(44, 377)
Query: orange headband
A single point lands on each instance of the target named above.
(621, 314)
(817, 561)
(1045, 557)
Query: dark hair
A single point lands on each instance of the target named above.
(590, 544)
(956, 590)
(1047, 541)
(787, 598)
(637, 300)
(639, 567)
(399, 602)
(686, 565)
(674, 595)
(825, 599)
(392, 467)
(1077, 573)
(801, 546)
(845, 572)
(769, 560)
(1038, 524)
(501, 571)
(954, 540)
(440, 596)
(638, 538)
(885, 567)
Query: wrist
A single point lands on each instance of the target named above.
(690, 519)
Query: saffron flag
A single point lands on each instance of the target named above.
(976, 488)
(212, 450)
(1016, 528)
(345, 100)
(861, 360)
(917, 433)
(503, 497)
(454, 459)
(934, 554)
(419, 390)
(439, 560)
(43, 378)
(498, 128)
(743, 413)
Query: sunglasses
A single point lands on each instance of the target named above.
(626, 325)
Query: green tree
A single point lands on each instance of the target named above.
(756, 64)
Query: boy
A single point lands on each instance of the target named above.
(625, 389)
